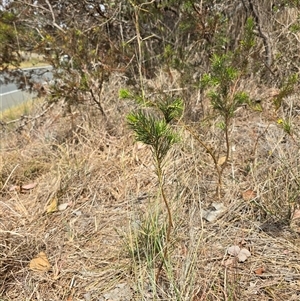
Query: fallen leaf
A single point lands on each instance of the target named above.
(260, 271)
(221, 160)
(212, 213)
(243, 255)
(209, 215)
(248, 195)
(15, 187)
(218, 206)
(40, 263)
(233, 250)
(52, 207)
(62, 207)
(29, 186)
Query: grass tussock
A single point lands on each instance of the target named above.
(109, 240)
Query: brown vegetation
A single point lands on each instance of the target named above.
(109, 185)
(80, 212)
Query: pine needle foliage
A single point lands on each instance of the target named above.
(171, 109)
(157, 132)
(153, 132)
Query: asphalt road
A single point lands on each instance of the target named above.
(11, 95)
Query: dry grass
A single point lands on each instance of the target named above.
(31, 60)
(101, 246)
(21, 110)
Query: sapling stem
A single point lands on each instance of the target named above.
(170, 222)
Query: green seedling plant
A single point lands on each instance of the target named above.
(158, 134)
(221, 83)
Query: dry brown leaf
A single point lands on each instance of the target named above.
(52, 207)
(15, 188)
(29, 186)
(248, 195)
(40, 263)
(213, 212)
(22, 188)
(260, 271)
(233, 250)
(221, 160)
(243, 255)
